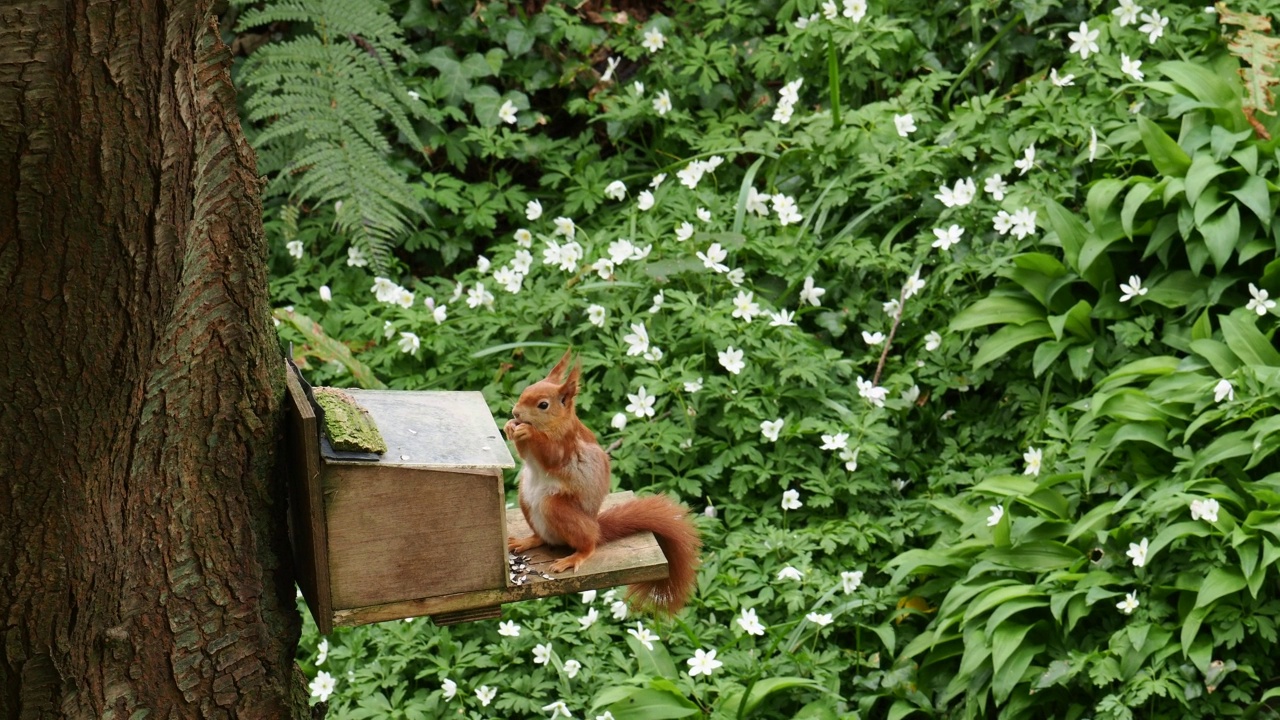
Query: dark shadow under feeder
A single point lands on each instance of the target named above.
(421, 529)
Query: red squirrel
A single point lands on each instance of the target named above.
(565, 479)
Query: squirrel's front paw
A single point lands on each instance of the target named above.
(510, 428)
(520, 431)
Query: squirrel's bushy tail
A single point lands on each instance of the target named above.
(677, 536)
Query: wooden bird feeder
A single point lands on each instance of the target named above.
(422, 529)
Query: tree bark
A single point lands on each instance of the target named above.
(144, 563)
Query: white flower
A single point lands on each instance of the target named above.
(542, 654)
(616, 190)
(791, 500)
(750, 623)
(947, 237)
(1129, 604)
(1127, 13)
(1032, 457)
(658, 300)
(1023, 223)
(643, 634)
(409, 343)
(448, 688)
(1084, 42)
(810, 293)
(839, 441)
(325, 294)
(736, 277)
(709, 511)
(522, 262)
(770, 429)
(758, 202)
(1132, 289)
(851, 581)
(662, 104)
(295, 248)
(913, 285)
(1153, 25)
(1028, 160)
(932, 341)
(819, 619)
(653, 354)
(1003, 222)
(790, 573)
(703, 663)
(595, 315)
(619, 610)
(355, 258)
(385, 290)
(388, 330)
(413, 94)
(1130, 67)
(995, 186)
(478, 296)
(959, 195)
(565, 227)
(644, 200)
(592, 615)
(713, 258)
(657, 180)
(509, 279)
(1093, 143)
(1061, 80)
(731, 360)
(603, 267)
(653, 40)
(571, 668)
(641, 403)
(507, 113)
(1205, 510)
(873, 393)
(1223, 391)
(782, 318)
(685, 231)
(322, 686)
(532, 210)
(404, 298)
(997, 512)
(1138, 552)
(524, 238)
(872, 339)
(637, 87)
(486, 694)
(441, 312)
(323, 648)
(785, 207)
(850, 458)
(745, 307)
(509, 629)
(558, 708)
(621, 251)
(906, 124)
(1259, 303)
(619, 421)
(637, 340)
(855, 10)
(641, 253)
(692, 174)
(703, 214)
(612, 64)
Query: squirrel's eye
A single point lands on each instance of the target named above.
(544, 405)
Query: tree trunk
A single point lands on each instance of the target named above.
(144, 566)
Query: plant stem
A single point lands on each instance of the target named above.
(833, 81)
(897, 320)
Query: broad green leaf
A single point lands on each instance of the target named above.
(1035, 556)
(1100, 199)
(1157, 366)
(1012, 670)
(1174, 532)
(1246, 341)
(504, 347)
(1133, 202)
(1221, 233)
(1071, 232)
(1203, 170)
(764, 688)
(901, 709)
(1009, 337)
(1133, 405)
(1074, 321)
(1092, 520)
(1006, 639)
(646, 704)
(656, 662)
(1047, 353)
(1203, 84)
(1220, 581)
(998, 310)
(1253, 194)
(1168, 158)
(1224, 447)
(1224, 361)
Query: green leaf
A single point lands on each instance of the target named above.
(504, 347)
(646, 704)
(1254, 194)
(1174, 532)
(656, 662)
(1165, 154)
(1100, 199)
(1203, 170)
(1071, 232)
(1133, 202)
(1074, 321)
(1224, 361)
(1220, 581)
(764, 688)
(1035, 556)
(998, 310)
(1246, 341)
(1009, 337)
(1221, 233)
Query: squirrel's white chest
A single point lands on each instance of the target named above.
(535, 487)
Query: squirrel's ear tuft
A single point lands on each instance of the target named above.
(569, 390)
(557, 372)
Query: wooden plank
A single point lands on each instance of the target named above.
(397, 534)
(433, 429)
(629, 560)
(306, 503)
